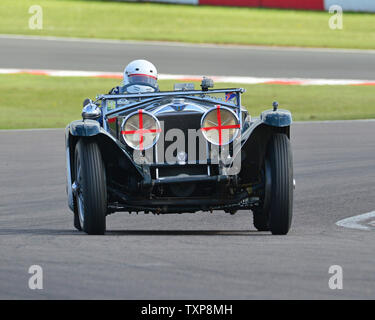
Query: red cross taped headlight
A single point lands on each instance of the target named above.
(140, 130)
(220, 125)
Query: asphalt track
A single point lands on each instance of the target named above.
(89, 55)
(191, 256)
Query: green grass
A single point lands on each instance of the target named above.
(29, 101)
(199, 24)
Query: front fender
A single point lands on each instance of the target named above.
(254, 141)
(109, 146)
(278, 118)
(84, 128)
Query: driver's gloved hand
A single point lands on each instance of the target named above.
(115, 90)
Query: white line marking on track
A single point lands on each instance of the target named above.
(355, 222)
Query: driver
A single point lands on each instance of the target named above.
(139, 76)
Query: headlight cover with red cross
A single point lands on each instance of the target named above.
(220, 125)
(140, 130)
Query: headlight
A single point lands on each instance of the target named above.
(220, 125)
(140, 130)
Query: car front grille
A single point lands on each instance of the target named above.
(173, 140)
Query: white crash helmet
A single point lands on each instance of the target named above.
(140, 76)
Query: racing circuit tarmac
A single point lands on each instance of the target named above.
(174, 58)
(191, 256)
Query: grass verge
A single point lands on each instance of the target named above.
(198, 24)
(30, 101)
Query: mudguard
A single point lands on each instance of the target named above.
(278, 118)
(92, 128)
(84, 128)
(254, 141)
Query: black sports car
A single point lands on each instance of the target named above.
(179, 151)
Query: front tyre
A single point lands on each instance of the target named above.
(279, 155)
(90, 178)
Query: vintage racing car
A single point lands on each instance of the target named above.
(179, 151)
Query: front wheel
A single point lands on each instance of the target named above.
(279, 155)
(91, 188)
(276, 209)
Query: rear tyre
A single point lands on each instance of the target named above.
(77, 223)
(261, 214)
(260, 220)
(279, 155)
(91, 199)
